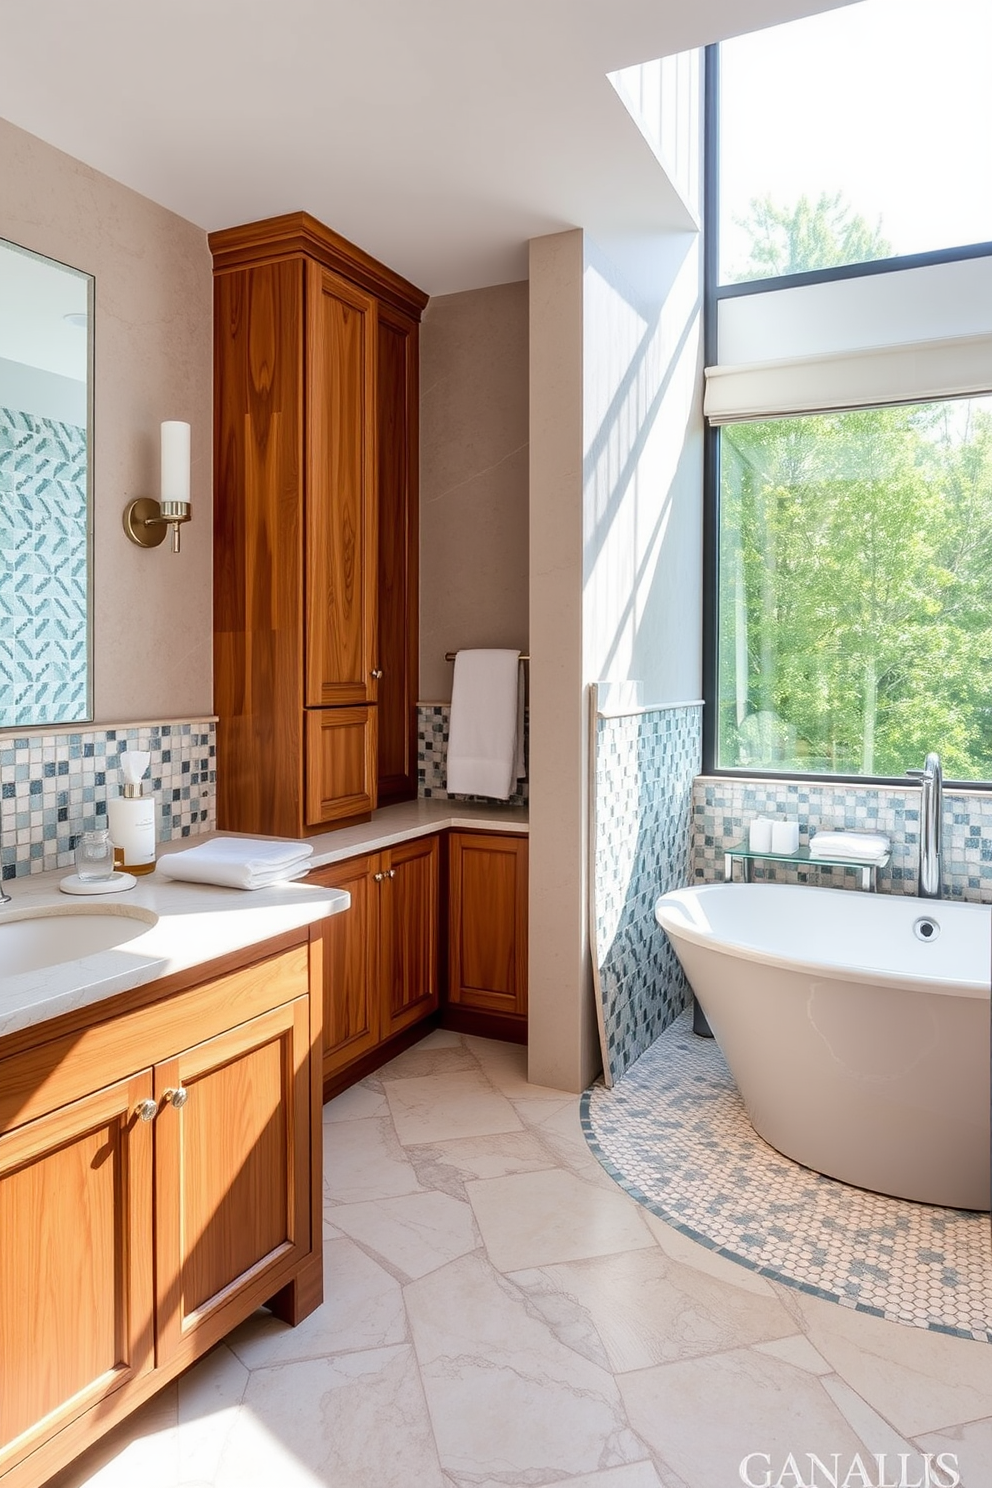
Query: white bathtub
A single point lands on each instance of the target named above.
(859, 1049)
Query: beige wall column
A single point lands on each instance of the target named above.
(563, 1047)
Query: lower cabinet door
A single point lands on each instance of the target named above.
(232, 1176)
(408, 920)
(76, 1290)
(351, 998)
(341, 763)
(487, 949)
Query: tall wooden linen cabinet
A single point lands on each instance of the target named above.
(315, 528)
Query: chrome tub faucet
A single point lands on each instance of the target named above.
(931, 788)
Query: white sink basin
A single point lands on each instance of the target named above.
(31, 941)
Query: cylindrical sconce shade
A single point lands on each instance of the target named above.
(175, 461)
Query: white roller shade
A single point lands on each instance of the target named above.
(915, 372)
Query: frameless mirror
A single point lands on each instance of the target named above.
(46, 427)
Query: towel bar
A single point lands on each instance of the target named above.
(450, 656)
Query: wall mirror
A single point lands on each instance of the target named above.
(46, 436)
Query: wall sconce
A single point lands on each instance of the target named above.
(145, 520)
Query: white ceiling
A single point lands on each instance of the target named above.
(439, 135)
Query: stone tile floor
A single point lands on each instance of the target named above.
(500, 1314)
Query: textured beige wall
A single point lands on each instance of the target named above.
(153, 362)
(474, 478)
(563, 1045)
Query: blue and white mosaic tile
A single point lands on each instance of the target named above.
(674, 1133)
(433, 724)
(43, 567)
(724, 806)
(643, 766)
(55, 786)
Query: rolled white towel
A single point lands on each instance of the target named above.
(866, 847)
(238, 862)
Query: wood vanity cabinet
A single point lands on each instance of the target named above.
(487, 934)
(315, 528)
(159, 1179)
(381, 958)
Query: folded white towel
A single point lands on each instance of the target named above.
(238, 862)
(485, 739)
(867, 847)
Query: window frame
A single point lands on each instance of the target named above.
(713, 293)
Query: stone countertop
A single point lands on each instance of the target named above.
(187, 925)
(393, 824)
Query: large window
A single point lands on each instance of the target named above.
(855, 591)
(855, 135)
(849, 477)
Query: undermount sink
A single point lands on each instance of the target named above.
(33, 940)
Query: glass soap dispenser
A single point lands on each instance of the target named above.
(132, 816)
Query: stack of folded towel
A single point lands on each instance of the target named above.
(238, 862)
(864, 847)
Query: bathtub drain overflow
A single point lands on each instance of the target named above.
(925, 928)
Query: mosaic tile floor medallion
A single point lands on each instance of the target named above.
(674, 1133)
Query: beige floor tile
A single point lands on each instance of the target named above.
(918, 1380)
(357, 1421)
(797, 1350)
(634, 1475)
(538, 1219)
(649, 1309)
(506, 1397)
(362, 1309)
(437, 1108)
(210, 1397)
(480, 1157)
(363, 1160)
(703, 1416)
(506, 1066)
(356, 1103)
(143, 1450)
(875, 1432)
(534, 1112)
(681, 1248)
(560, 1129)
(427, 1059)
(967, 1449)
(414, 1234)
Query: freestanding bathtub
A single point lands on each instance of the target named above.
(856, 1026)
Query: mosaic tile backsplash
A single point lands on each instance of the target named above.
(644, 764)
(433, 723)
(43, 570)
(722, 808)
(55, 786)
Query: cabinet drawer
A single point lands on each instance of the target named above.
(44, 1078)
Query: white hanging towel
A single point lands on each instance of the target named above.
(485, 738)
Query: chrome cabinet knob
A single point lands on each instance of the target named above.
(376, 673)
(378, 877)
(391, 873)
(176, 1098)
(146, 1110)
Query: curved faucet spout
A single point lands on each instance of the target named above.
(931, 815)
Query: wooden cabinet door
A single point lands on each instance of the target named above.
(341, 755)
(232, 1175)
(397, 415)
(76, 1291)
(487, 966)
(340, 531)
(408, 920)
(351, 988)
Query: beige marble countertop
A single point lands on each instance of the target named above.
(182, 925)
(414, 819)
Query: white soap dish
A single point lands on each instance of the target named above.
(115, 884)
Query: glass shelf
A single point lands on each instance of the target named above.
(800, 858)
